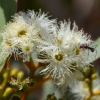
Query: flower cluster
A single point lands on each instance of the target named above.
(64, 50)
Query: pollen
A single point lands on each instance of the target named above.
(21, 33)
(27, 48)
(59, 57)
(8, 43)
(74, 68)
(59, 41)
(39, 35)
(77, 50)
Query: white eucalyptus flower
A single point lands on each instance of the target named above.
(26, 48)
(63, 52)
(42, 22)
(7, 47)
(24, 27)
(68, 81)
(14, 34)
(81, 89)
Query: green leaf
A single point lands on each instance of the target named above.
(96, 53)
(7, 9)
(97, 49)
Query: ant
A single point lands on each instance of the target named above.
(85, 46)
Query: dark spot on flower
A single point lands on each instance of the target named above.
(22, 32)
(8, 42)
(74, 67)
(27, 48)
(59, 57)
(77, 50)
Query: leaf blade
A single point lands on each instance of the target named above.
(7, 9)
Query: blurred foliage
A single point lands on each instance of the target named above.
(7, 9)
(96, 46)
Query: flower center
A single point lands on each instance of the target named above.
(59, 57)
(27, 48)
(8, 43)
(22, 32)
(77, 50)
(59, 41)
(39, 35)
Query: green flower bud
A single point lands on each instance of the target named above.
(14, 72)
(20, 76)
(87, 71)
(7, 92)
(5, 75)
(94, 76)
(28, 83)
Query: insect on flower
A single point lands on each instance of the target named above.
(85, 46)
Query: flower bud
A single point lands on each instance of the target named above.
(94, 76)
(7, 92)
(14, 72)
(20, 76)
(5, 75)
(28, 83)
(87, 71)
